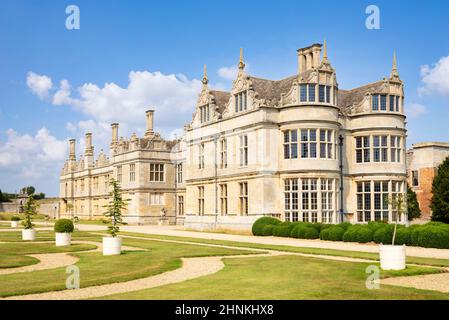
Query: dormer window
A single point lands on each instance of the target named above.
(204, 113)
(383, 102)
(324, 94)
(379, 102)
(240, 101)
(307, 93)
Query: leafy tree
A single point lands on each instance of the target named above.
(30, 209)
(115, 207)
(39, 196)
(413, 209)
(4, 197)
(29, 190)
(440, 190)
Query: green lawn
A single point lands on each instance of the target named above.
(14, 261)
(316, 251)
(285, 277)
(95, 269)
(24, 248)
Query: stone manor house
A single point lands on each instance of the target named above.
(298, 148)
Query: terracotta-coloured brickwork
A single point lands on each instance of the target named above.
(424, 191)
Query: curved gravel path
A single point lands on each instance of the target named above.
(435, 282)
(191, 268)
(46, 261)
(57, 260)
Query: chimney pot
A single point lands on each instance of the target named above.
(150, 120)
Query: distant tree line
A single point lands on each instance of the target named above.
(29, 190)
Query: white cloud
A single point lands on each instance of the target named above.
(228, 73)
(27, 156)
(435, 78)
(40, 85)
(62, 96)
(166, 94)
(415, 110)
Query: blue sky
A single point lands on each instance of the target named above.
(130, 54)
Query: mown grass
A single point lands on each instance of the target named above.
(316, 251)
(15, 261)
(95, 269)
(287, 277)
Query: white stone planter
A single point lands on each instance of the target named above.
(112, 246)
(392, 257)
(63, 239)
(28, 234)
(14, 224)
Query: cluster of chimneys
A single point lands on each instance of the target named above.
(89, 151)
(309, 57)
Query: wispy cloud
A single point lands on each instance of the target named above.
(415, 110)
(435, 78)
(40, 85)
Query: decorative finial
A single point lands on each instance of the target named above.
(241, 63)
(394, 69)
(325, 60)
(324, 49)
(205, 80)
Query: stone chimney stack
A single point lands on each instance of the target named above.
(72, 154)
(309, 57)
(114, 127)
(89, 152)
(89, 148)
(150, 120)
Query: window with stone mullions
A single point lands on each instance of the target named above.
(240, 101)
(290, 144)
(381, 200)
(204, 113)
(308, 143)
(156, 172)
(380, 148)
(326, 144)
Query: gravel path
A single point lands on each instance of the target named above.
(435, 282)
(191, 268)
(46, 261)
(57, 260)
(337, 245)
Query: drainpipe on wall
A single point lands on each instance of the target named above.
(340, 144)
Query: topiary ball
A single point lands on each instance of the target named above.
(64, 226)
(260, 223)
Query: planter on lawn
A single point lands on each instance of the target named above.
(392, 257)
(28, 234)
(14, 224)
(63, 239)
(112, 246)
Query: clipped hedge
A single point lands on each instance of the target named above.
(358, 233)
(384, 234)
(260, 223)
(434, 237)
(64, 226)
(268, 230)
(429, 235)
(311, 233)
(403, 236)
(336, 233)
(15, 218)
(376, 225)
(283, 229)
(344, 225)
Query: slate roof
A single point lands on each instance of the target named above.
(347, 98)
